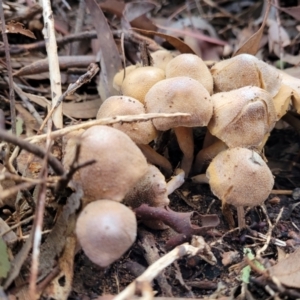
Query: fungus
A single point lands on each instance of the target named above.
(243, 70)
(161, 58)
(138, 82)
(186, 95)
(119, 163)
(120, 76)
(240, 177)
(142, 133)
(106, 229)
(192, 66)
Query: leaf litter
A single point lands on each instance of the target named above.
(220, 258)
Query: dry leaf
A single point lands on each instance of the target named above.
(174, 41)
(287, 271)
(251, 46)
(16, 27)
(293, 11)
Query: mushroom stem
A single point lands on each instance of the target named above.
(241, 217)
(201, 178)
(209, 139)
(227, 213)
(176, 181)
(185, 141)
(155, 158)
(207, 154)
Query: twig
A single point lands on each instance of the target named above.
(156, 268)
(269, 233)
(51, 47)
(104, 121)
(92, 71)
(9, 69)
(36, 150)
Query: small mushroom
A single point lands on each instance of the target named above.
(186, 95)
(161, 58)
(142, 133)
(240, 177)
(119, 163)
(106, 229)
(243, 70)
(120, 76)
(138, 82)
(192, 66)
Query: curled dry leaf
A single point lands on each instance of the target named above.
(180, 222)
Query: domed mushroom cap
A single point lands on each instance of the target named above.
(192, 66)
(161, 58)
(151, 189)
(242, 117)
(240, 177)
(106, 230)
(119, 163)
(243, 70)
(138, 82)
(179, 94)
(139, 132)
(120, 76)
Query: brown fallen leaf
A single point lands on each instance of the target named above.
(293, 11)
(287, 271)
(174, 41)
(16, 27)
(251, 46)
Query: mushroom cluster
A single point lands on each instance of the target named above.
(239, 100)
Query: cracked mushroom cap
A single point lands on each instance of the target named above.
(138, 82)
(243, 70)
(242, 117)
(240, 177)
(151, 189)
(192, 66)
(119, 163)
(179, 94)
(139, 132)
(106, 229)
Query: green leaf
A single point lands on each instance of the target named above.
(4, 262)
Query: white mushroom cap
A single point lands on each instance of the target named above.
(151, 189)
(240, 177)
(139, 132)
(138, 82)
(179, 94)
(243, 70)
(161, 58)
(119, 163)
(192, 66)
(242, 117)
(106, 230)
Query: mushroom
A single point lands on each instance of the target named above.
(152, 189)
(142, 133)
(138, 82)
(243, 70)
(161, 58)
(180, 94)
(119, 163)
(106, 229)
(241, 118)
(192, 66)
(120, 76)
(240, 177)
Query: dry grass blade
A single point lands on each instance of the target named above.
(251, 46)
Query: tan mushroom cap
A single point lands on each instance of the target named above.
(179, 94)
(151, 189)
(161, 58)
(242, 117)
(106, 230)
(240, 177)
(138, 82)
(139, 132)
(192, 66)
(119, 164)
(120, 76)
(243, 70)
